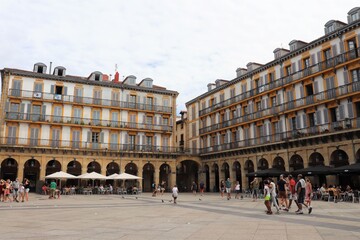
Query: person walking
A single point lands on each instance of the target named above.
(273, 195)
(162, 187)
(300, 192)
(194, 187)
(308, 194)
(26, 184)
(281, 186)
(222, 188)
(52, 189)
(175, 193)
(202, 187)
(292, 195)
(237, 190)
(255, 189)
(15, 187)
(267, 197)
(21, 192)
(228, 188)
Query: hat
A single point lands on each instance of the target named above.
(300, 175)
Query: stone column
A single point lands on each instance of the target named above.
(244, 182)
(42, 168)
(20, 170)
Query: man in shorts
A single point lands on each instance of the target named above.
(228, 188)
(281, 184)
(292, 195)
(300, 191)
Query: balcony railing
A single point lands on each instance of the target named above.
(78, 145)
(84, 121)
(302, 102)
(324, 129)
(86, 100)
(319, 67)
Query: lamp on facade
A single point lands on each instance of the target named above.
(74, 163)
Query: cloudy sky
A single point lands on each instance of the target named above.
(182, 45)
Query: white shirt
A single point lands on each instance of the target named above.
(267, 191)
(273, 189)
(237, 187)
(175, 191)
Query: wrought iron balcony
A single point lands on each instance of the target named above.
(287, 106)
(344, 126)
(16, 116)
(16, 93)
(97, 146)
(316, 68)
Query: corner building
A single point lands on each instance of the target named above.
(300, 110)
(52, 122)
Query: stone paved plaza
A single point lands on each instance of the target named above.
(146, 217)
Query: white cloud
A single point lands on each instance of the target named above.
(182, 45)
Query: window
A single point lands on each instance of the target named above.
(78, 95)
(273, 101)
(60, 72)
(245, 110)
(115, 99)
(95, 140)
(11, 139)
(55, 137)
(306, 62)
(355, 74)
(114, 141)
(34, 136)
(258, 106)
(57, 114)
(114, 119)
(16, 88)
(76, 139)
(14, 110)
(59, 90)
(309, 90)
(333, 116)
(40, 69)
(38, 87)
(96, 117)
(97, 97)
(77, 115)
(293, 123)
(149, 142)
(132, 120)
(193, 129)
(312, 119)
(330, 28)
(232, 92)
(327, 54)
(355, 16)
(132, 142)
(288, 70)
(97, 77)
(35, 113)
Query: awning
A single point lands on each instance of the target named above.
(60, 175)
(315, 170)
(352, 168)
(270, 172)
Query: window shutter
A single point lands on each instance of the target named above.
(43, 112)
(261, 81)
(65, 90)
(342, 47)
(316, 87)
(126, 138)
(350, 110)
(155, 101)
(312, 57)
(341, 112)
(301, 91)
(282, 125)
(144, 100)
(290, 124)
(326, 116)
(304, 121)
(102, 137)
(137, 140)
(293, 68)
(334, 50)
(89, 136)
(28, 111)
(358, 37)
(346, 77)
(155, 141)
(127, 98)
(298, 122)
(144, 119)
(22, 110)
(7, 106)
(155, 121)
(238, 110)
(143, 140)
(299, 65)
(318, 57)
(52, 89)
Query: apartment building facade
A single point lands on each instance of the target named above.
(300, 110)
(54, 121)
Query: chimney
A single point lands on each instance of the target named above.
(240, 72)
(116, 79)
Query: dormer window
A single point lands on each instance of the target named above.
(97, 77)
(39, 68)
(330, 28)
(59, 71)
(353, 15)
